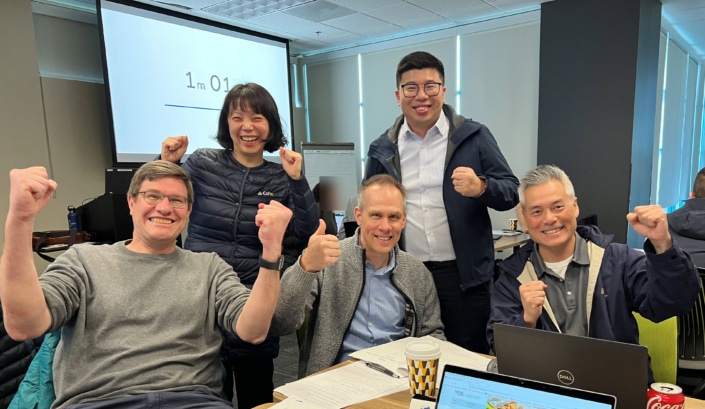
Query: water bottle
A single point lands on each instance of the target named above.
(73, 218)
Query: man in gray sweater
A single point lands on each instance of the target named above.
(141, 319)
(362, 291)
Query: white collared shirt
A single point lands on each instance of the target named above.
(422, 160)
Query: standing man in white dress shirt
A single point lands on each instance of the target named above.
(453, 171)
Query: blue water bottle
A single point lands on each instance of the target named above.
(73, 218)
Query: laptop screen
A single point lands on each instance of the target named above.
(467, 388)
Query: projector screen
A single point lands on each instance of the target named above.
(167, 74)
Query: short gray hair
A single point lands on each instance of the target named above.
(381, 179)
(544, 174)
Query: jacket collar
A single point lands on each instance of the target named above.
(515, 263)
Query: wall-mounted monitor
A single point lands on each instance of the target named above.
(167, 74)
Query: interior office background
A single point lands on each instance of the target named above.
(53, 111)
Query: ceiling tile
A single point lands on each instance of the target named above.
(402, 12)
(349, 20)
(364, 6)
(319, 11)
(515, 5)
(358, 22)
(196, 4)
(297, 25)
(683, 4)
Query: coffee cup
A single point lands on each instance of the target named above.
(513, 224)
(422, 358)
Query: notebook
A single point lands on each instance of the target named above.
(467, 388)
(609, 367)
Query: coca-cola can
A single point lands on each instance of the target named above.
(665, 396)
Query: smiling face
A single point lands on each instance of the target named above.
(249, 132)
(421, 112)
(381, 219)
(550, 216)
(156, 227)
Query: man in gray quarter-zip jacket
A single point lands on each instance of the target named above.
(360, 292)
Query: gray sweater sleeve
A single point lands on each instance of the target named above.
(299, 290)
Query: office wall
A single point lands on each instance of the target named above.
(22, 122)
(56, 123)
(496, 82)
(500, 89)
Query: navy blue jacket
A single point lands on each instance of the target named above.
(225, 205)
(687, 225)
(470, 144)
(657, 286)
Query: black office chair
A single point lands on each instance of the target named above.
(691, 344)
(590, 219)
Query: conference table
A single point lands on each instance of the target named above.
(507, 242)
(400, 400)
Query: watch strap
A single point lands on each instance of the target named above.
(271, 265)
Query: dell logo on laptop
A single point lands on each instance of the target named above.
(565, 377)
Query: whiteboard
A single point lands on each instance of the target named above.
(332, 161)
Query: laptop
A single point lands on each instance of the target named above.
(467, 388)
(609, 367)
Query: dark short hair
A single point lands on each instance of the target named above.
(382, 179)
(255, 98)
(159, 169)
(419, 60)
(699, 184)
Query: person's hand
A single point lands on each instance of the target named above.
(533, 296)
(30, 190)
(651, 222)
(174, 148)
(291, 162)
(466, 182)
(272, 220)
(322, 251)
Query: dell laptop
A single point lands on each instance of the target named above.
(467, 388)
(609, 367)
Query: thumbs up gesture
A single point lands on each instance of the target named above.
(322, 251)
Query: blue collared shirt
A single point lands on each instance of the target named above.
(379, 317)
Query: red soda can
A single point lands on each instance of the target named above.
(665, 396)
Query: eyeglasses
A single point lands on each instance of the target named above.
(152, 197)
(431, 89)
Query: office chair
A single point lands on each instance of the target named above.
(590, 219)
(691, 342)
(662, 341)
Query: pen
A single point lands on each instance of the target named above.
(380, 368)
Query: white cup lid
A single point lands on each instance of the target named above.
(422, 349)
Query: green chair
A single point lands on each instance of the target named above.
(662, 341)
(691, 344)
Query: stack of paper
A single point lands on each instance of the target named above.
(355, 383)
(340, 387)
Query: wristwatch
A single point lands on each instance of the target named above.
(272, 265)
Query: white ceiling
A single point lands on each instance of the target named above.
(316, 26)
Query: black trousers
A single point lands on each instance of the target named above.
(253, 381)
(464, 313)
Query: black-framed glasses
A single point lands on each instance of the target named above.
(152, 197)
(431, 89)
